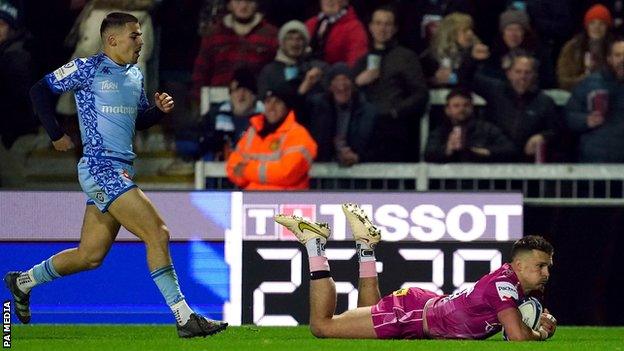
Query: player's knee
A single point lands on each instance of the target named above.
(94, 263)
(158, 236)
(162, 234)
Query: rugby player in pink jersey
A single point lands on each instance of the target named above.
(414, 313)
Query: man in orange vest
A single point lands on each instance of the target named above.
(276, 152)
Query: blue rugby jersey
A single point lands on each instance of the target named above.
(109, 98)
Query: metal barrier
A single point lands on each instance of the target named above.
(544, 184)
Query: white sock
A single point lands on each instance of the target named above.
(26, 281)
(181, 311)
(364, 251)
(316, 247)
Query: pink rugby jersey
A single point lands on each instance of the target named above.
(472, 313)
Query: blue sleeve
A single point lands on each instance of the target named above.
(70, 76)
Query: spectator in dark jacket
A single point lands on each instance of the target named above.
(517, 106)
(343, 120)
(596, 110)
(18, 125)
(337, 35)
(293, 63)
(419, 19)
(553, 24)
(515, 33)
(226, 122)
(243, 38)
(464, 138)
(391, 78)
(450, 46)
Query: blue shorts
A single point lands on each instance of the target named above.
(104, 179)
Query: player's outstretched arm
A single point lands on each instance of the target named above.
(516, 330)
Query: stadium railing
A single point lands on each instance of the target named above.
(544, 184)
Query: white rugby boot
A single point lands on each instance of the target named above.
(363, 229)
(303, 228)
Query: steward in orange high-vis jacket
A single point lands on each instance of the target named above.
(276, 152)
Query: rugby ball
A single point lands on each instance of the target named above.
(530, 310)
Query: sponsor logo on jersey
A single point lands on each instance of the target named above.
(99, 196)
(119, 110)
(106, 70)
(506, 291)
(109, 86)
(65, 71)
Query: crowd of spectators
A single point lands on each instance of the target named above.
(353, 76)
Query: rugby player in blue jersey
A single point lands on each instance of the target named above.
(111, 104)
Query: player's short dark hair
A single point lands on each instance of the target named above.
(115, 20)
(531, 242)
(459, 91)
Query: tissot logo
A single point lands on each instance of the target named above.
(119, 110)
(425, 222)
(108, 85)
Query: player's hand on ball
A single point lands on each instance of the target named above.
(548, 322)
(63, 144)
(164, 102)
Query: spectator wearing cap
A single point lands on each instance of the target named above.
(586, 52)
(391, 78)
(276, 152)
(225, 123)
(514, 33)
(336, 33)
(343, 120)
(242, 38)
(293, 63)
(596, 110)
(18, 125)
(464, 138)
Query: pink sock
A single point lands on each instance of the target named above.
(368, 269)
(319, 263)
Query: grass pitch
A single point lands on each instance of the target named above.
(164, 338)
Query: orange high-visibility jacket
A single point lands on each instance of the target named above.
(279, 161)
